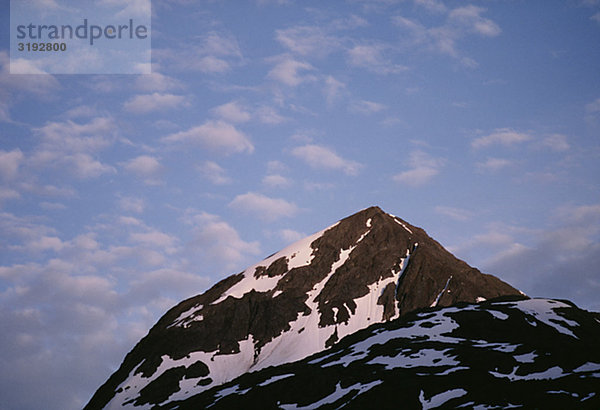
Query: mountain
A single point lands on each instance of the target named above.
(534, 353)
(368, 268)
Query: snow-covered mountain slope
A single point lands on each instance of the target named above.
(534, 353)
(368, 268)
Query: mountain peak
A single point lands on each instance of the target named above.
(367, 268)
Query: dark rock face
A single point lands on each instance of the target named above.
(535, 353)
(368, 268)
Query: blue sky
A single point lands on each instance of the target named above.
(265, 121)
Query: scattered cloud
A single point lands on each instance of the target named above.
(10, 161)
(435, 6)
(460, 22)
(551, 266)
(221, 243)
(556, 142)
(493, 164)
(320, 157)
(289, 71)
(269, 115)
(422, 168)
(503, 136)
(469, 18)
(291, 236)
(264, 207)
(276, 181)
(157, 82)
(371, 57)
(85, 166)
(70, 136)
(307, 40)
(215, 53)
(457, 214)
(144, 165)
(144, 104)
(366, 107)
(232, 111)
(38, 82)
(132, 204)
(219, 136)
(593, 110)
(333, 89)
(214, 173)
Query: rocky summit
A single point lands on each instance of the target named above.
(367, 269)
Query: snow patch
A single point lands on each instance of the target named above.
(403, 225)
(441, 398)
(294, 345)
(436, 301)
(543, 310)
(222, 368)
(498, 315)
(336, 395)
(549, 374)
(526, 358)
(275, 378)
(185, 318)
(297, 255)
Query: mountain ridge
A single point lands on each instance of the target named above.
(367, 268)
(501, 353)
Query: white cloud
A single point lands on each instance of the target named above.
(157, 82)
(7, 194)
(470, 18)
(131, 8)
(70, 136)
(288, 71)
(276, 181)
(291, 236)
(333, 89)
(494, 164)
(232, 111)
(276, 166)
(217, 135)
(263, 206)
(87, 167)
(503, 136)
(432, 5)
(143, 104)
(37, 82)
(457, 214)
(371, 57)
(268, 115)
(423, 167)
(10, 162)
(220, 242)
(307, 40)
(444, 39)
(564, 268)
(214, 173)
(132, 204)
(215, 53)
(319, 157)
(366, 107)
(593, 110)
(154, 238)
(556, 142)
(144, 166)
